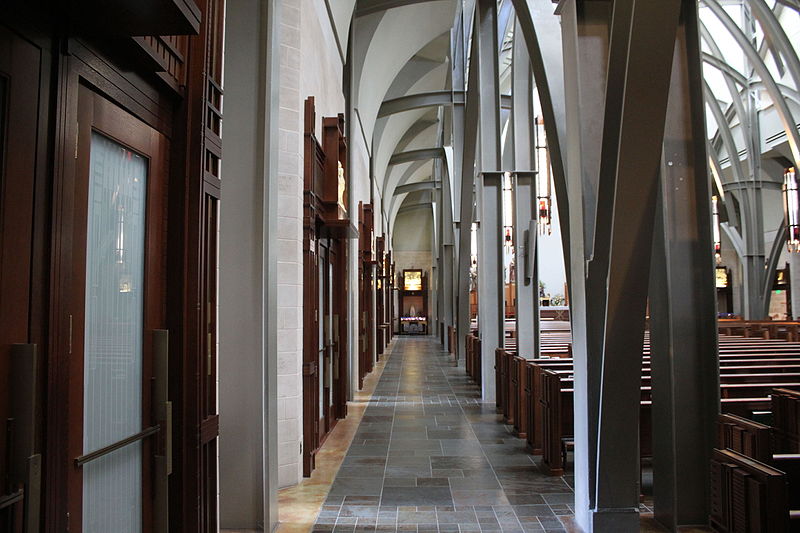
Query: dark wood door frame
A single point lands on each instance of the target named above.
(96, 113)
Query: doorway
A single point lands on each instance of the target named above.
(114, 305)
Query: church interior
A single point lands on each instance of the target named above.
(431, 266)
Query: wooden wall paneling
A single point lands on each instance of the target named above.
(58, 367)
(362, 326)
(209, 425)
(130, 89)
(313, 161)
(192, 123)
(193, 201)
(21, 66)
(369, 285)
(379, 294)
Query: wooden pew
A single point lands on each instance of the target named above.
(762, 443)
(473, 357)
(500, 378)
(786, 420)
(452, 339)
(747, 495)
(555, 421)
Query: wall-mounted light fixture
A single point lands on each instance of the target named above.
(715, 229)
(791, 209)
(544, 204)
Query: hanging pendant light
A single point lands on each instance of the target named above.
(715, 229)
(543, 198)
(791, 209)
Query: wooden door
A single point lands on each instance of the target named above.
(339, 299)
(20, 64)
(310, 349)
(114, 306)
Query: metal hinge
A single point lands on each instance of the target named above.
(77, 134)
(70, 334)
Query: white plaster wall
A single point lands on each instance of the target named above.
(311, 66)
(290, 249)
(413, 231)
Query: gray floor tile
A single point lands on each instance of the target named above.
(430, 456)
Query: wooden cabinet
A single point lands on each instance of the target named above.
(326, 228)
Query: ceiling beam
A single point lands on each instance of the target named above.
(419, 186)
(417, 101)
(429, 99)
(415, 207)
(416, 155)
(376, 6)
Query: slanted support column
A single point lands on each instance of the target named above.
(542, 32)
(615, 138)
(446, 254)
(643, 41)
(491, 311)
(467, 120)
(585, 41)
(683, 301)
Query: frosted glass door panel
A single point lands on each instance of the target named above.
(112, 485)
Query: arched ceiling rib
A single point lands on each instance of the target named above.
(420, 135)
(401, 34)
(418, 75)
(393, 133)
(341, 13)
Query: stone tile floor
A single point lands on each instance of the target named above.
(430, 456)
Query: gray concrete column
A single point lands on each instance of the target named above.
(641, 47)
(490, 245)
(525, 233)
(585, 48)
(490, 276)
(615, 121)
(248, 319)
(447, 254)
(685, 369)
(467, 121)
(541, 27)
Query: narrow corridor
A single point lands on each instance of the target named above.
(430, 456)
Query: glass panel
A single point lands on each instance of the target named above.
(321, 330)
(112, 485)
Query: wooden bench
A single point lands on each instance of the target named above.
(473, 357)
(555, 420)
(747, 495)
(786, 420)
(760, 443)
